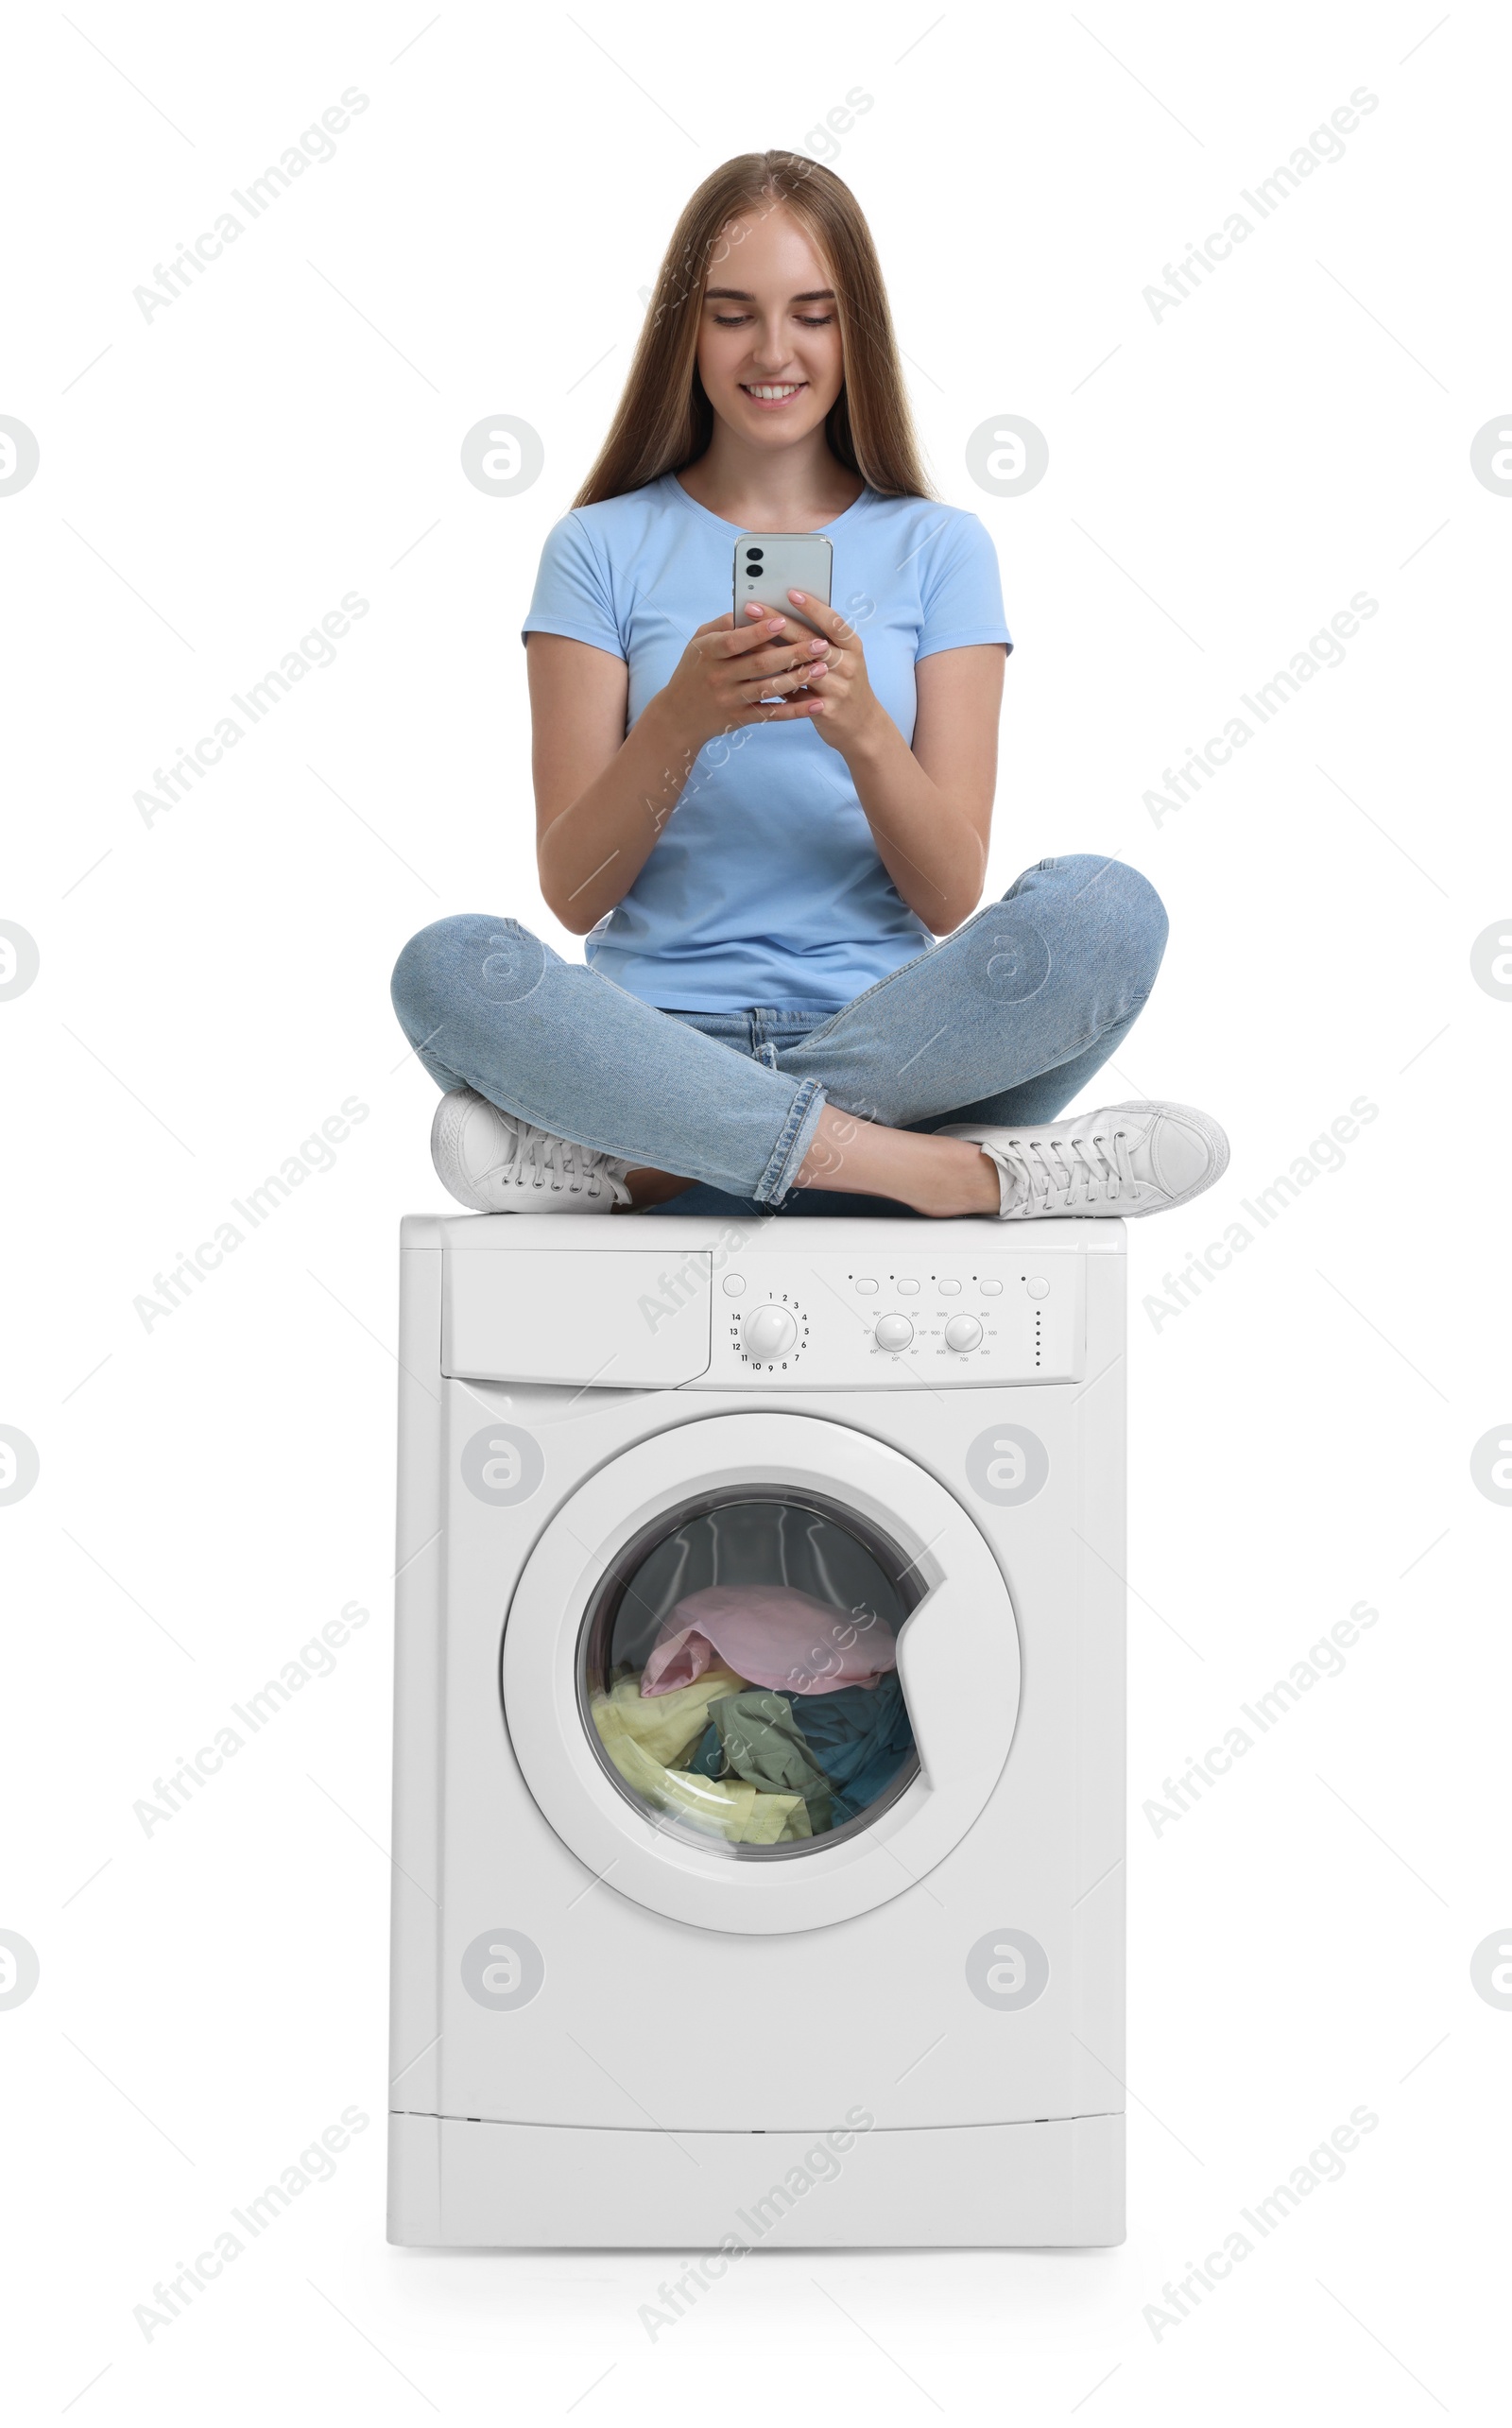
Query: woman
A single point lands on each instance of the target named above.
(761, 832)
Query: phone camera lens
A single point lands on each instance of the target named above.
(754, 556)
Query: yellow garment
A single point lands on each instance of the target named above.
(634, 1736)
(668, 1726)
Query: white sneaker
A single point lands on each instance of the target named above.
(1123, 1160)
(497, 1165)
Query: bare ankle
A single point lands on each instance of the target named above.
(956, 1179)
(937, 1176)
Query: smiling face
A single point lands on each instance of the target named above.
(769, 351)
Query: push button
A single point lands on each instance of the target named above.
(866, 1287)
(949, 1289)
(734, 1285)
(991, 1289)
(908, 1289)
(1037, 1287)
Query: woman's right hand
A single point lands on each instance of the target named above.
(725, 671)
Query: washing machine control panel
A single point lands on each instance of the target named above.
(904, 1321)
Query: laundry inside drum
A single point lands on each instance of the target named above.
(738, 1673)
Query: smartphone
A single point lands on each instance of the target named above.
(770, 563)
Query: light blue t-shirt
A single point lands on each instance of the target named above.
(765, 889)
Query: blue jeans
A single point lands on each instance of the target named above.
(1004, 1021)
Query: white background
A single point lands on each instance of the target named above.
(215, 1489)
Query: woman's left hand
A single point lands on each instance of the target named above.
(845, 706)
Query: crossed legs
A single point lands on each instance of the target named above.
(1004, 1021)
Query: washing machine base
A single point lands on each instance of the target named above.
(463, 2184)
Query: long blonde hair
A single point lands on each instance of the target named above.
(665, 419)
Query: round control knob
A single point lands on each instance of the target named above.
(893, 1332)
(770, 1333)
(962, 1332)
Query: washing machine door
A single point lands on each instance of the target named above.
(761, 1672)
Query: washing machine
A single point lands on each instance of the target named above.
(649, 1993)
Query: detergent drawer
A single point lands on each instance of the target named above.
(616, 1318)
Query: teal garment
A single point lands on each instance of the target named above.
(753, 1735)
(860, 1736)
(707, 1756)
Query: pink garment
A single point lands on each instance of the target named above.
(774, 1637)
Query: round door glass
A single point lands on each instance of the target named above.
(738, 1671)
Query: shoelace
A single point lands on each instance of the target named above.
(551, 1162)
(1063, 1173)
